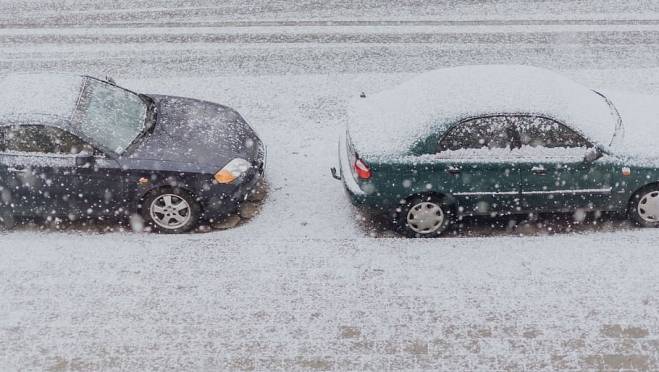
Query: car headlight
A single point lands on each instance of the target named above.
(236, 168)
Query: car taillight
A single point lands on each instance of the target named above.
(362, 169)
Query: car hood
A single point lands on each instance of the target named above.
(640, 118)
(193, 131)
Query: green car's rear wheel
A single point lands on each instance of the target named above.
(424, 217)
(644, 207)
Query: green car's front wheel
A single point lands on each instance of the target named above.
(424, 217)
(644, 207)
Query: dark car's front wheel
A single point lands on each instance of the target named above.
(424, 217)
(644, 207)
(170, 211)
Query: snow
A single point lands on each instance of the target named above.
(389, 123)
(640, 120)
(307, 281)
(310, 283)
(36, 96)
(128, 301)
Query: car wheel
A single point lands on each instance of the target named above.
(644, 207)
(7, 220)
(424, 217)
(171, 211)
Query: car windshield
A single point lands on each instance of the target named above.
(110, 116)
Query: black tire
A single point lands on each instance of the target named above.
(639, 215)
(405, 217)
(156, 211)
(7, 220)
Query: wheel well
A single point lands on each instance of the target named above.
(448, 200)
(637, 192)
(147, 193)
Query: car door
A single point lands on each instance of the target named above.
(554, 172)
(45, 176)
(475, 165)
(36, 176)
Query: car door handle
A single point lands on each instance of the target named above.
(453, 170)
(539, 170)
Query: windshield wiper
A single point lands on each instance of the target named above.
(619, 128)
(151, 112)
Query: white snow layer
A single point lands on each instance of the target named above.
(640, 120)
(390, 122)
(36, 96)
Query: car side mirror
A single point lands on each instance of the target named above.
(85, 160)
(592, 154)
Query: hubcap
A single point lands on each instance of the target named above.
(170, 211)
(648, 207)
(425, 218)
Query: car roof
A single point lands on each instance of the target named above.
(389, 123)
(39, 98)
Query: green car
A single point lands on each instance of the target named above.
(499, 140)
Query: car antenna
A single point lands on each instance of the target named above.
(110, 80)
(363, 95)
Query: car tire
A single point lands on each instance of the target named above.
(644, 207)
(7, 220)
(170, 211)
(424, 217)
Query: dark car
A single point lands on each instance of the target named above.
(500, 140)
(76, 146)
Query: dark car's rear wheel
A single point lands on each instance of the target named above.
(644, 207)
(424, 217)
(171, 211)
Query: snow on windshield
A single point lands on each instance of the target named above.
(390, 122)
(110, 115)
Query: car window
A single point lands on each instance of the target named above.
(40, 139)
(542, 132)
(480, 133)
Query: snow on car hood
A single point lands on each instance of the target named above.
(389, 123)
(640, 121)
(194, 131)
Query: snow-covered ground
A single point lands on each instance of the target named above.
(307, 284)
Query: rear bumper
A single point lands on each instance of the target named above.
(371, 201)
(357, 195)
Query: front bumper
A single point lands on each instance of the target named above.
(219, 201)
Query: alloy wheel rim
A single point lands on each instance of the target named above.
(425, 218)
(648, 207)
(170, 211)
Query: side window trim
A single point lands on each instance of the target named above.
(512, 127)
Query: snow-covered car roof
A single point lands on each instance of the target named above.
(38, 97)
(389, 123)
